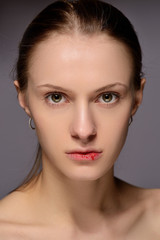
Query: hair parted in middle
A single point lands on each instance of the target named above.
(85, 17)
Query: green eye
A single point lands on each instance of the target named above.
(56, 97)
(107, 97)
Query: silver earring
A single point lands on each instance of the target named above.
(30, 124)
(130, 120)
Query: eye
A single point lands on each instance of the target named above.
(108, 97)
(55, 98)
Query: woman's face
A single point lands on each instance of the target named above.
(80, 95)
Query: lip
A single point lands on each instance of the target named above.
(87, 150)
(84, 155)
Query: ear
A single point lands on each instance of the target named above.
(138, 97)
(22, 98)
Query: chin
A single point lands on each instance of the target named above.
(86, 174)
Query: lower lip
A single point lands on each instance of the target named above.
(84, 157)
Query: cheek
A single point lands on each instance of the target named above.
(47, 118)
(50, 127)
(114, 128)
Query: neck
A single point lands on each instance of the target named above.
(80, 202)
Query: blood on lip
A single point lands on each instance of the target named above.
(87, 155)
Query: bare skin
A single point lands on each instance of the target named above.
(75, 200)
(137, 217)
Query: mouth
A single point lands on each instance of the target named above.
(89, 155)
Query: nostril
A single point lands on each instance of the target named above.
(83, 126)
(84, 135)
(91, 137)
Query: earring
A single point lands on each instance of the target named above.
(30, 124)
(130, 120)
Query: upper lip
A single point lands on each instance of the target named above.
(90, 150)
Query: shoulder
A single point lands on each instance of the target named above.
(148, 197)
(144, 205)
(8, 206)
(12, 219)
(14, 207)
(17, 218)
(8, 231)
(149, 220)
(12, 211)
(152, 212)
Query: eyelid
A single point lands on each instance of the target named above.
(109, 92)
(52, 93)
(117, 95)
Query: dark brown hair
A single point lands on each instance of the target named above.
(87, 17)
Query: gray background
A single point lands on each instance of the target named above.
(139, 162)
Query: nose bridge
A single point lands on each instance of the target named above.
(83, 124)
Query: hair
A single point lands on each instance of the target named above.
(87, 17)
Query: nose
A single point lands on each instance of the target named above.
(83, 126)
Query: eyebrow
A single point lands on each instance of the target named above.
(54, 87)
(107, 87)
(104, 88)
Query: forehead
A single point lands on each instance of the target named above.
(78, 57)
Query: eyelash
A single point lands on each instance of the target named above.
(50, 102)
(115, 96)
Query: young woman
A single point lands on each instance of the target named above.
(79, 80)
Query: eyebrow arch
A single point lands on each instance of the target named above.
(54, 87)
(105, 88)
